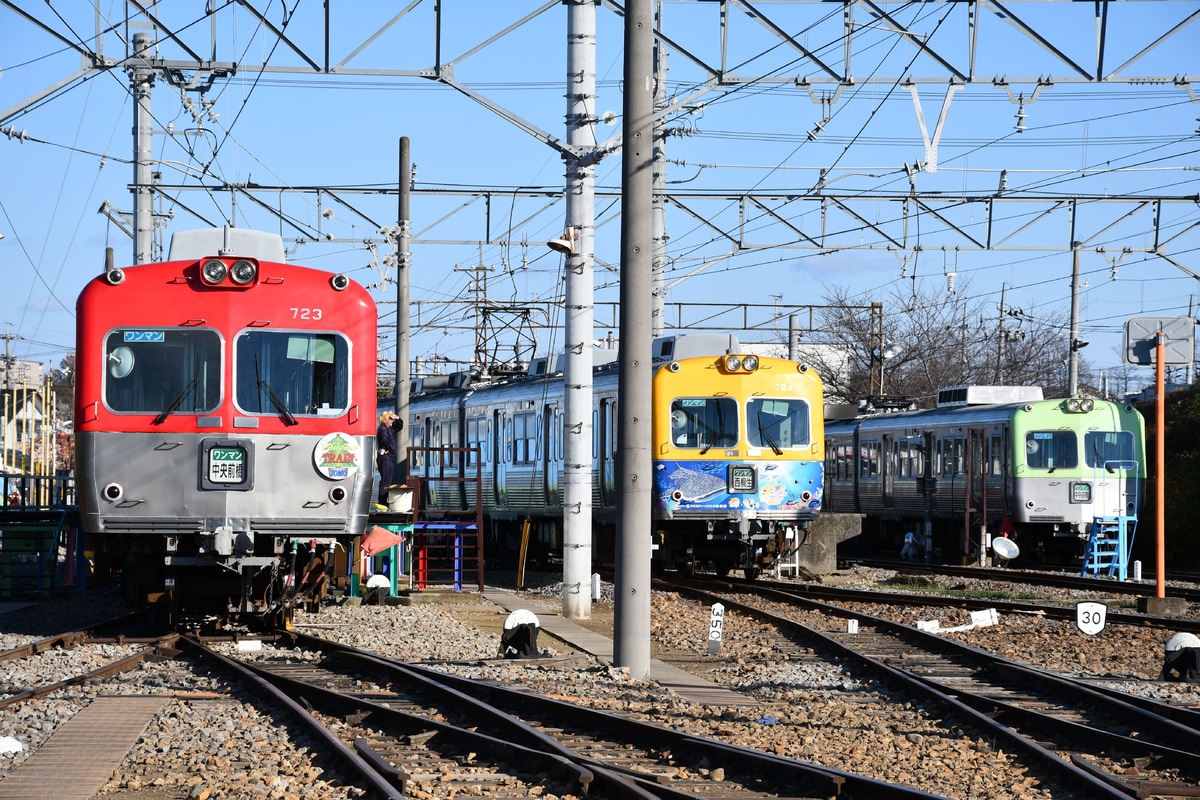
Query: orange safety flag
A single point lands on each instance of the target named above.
(379, 539)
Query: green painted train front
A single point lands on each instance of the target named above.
(1076, 460)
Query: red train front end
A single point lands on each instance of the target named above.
(224, 415)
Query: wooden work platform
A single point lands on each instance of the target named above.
(81, 756)
(681, 682)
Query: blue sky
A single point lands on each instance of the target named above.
(302, 131)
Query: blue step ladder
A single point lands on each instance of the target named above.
(1108, 548)
(1110, 541)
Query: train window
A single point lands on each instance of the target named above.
(1051, 449)
(476, 437)
(163, 371)
(869, 458)
(997, 456)
(448, 437)
(1103, 447)
(704, 422)
(524, 437)
(778, 424)
(415, 441)
(302, 373)
(959, 449)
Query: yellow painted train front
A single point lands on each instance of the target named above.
(738, 460)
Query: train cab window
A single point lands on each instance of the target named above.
(1103, 447)
(704, 422)
(1051, 449)
(778, 424)
(302, 373)
(162, 371)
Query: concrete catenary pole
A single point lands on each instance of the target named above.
(631, 625)
(1074, 345)
(141, 78)
(577, 374)
(658, 269)
(403, 277)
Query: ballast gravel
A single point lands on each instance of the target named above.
(214, 740)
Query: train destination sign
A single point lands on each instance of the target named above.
(742, 478)
(227, 465)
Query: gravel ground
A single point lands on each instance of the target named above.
(213, 741)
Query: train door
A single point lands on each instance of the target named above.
(888, 470)
(551, 442)
(499, 456)
(975, 485)
(606, 451)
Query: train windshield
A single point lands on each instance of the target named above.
(162, 371)
(704, 422)
(1051, 450)
(778, 424)
(292, 373)
(1103, 448)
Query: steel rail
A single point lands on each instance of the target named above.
(932, 690)
(824, 781)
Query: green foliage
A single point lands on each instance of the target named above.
(1181, 499)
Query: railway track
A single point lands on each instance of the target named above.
(421, 728)
(1039, 578)
(1061, 722)
(105, 635)
(1064, 610)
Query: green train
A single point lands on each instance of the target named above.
(989, 461)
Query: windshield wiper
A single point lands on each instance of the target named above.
(720, 430)
(767, 436)
(176, 403)
(263, 386)
(275, 401)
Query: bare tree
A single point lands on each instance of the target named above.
(932, 339)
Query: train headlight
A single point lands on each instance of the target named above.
(113, 492)
(115, 277)
(1087, 404)
(213, 271)
(339, 282)
(750, 363)
(243, 271)
(802, 368)
(1073, 404)
(337, 494)
(733, 363)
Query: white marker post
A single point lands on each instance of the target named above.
(1089, 617)
(715, 626)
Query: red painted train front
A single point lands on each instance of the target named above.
(225, 419)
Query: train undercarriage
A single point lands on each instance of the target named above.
(187, 588)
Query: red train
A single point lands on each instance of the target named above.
(225, 418)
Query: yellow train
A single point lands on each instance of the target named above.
(738, 453)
